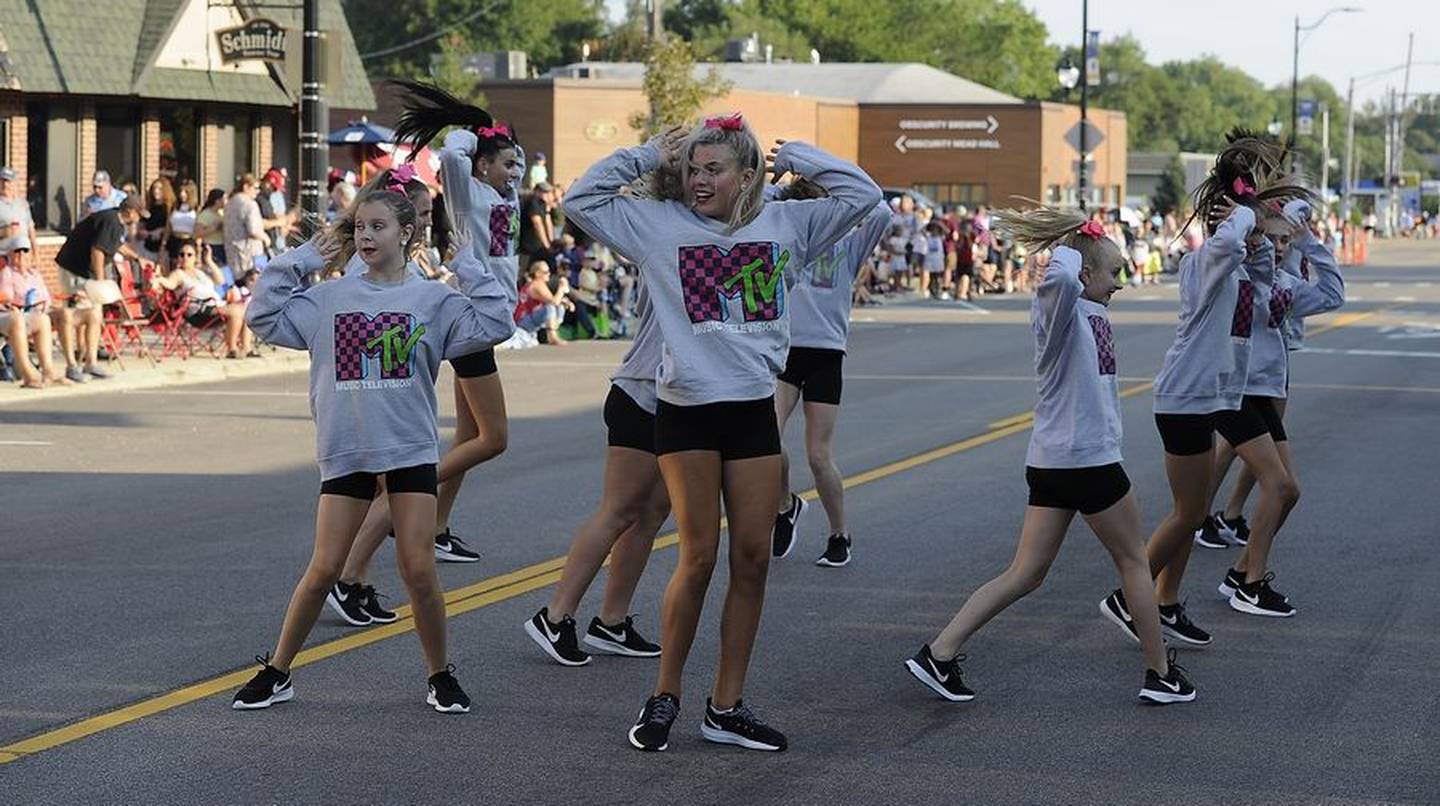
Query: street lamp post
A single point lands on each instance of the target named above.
(1069, 75)
(1295, 60)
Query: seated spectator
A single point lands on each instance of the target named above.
(26, 301)
(540, 307)
(203, 303)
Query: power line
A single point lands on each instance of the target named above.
(430, 37)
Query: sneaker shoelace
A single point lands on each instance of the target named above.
(662, 710)
(445, 680)
(1176, 671)
(746, 717)
(370, 596)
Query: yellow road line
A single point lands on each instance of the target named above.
(498, 589)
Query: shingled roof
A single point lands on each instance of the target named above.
(109, 48)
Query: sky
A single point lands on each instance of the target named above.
(1256, 35)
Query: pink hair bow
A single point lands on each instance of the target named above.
(491, 132)
(400, 177)
(730, 123)
(1093, 229)
(1242, 187)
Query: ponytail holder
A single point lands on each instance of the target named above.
(730, 123)
(1093, 229)
(400, 177)
(491, 132)
(1242, 187)
(1274, 206)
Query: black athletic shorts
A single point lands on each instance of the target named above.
(1087, 490)
(476, 365)
(1190, 434)
(415, 479)
(742, 429)
(816, 372)
(630, 426)
(1269, 411)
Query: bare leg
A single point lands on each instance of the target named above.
(752, 488)
(1119, 531)
(693, 481)
(20, 346)
(336, 519)
(631, 480)
(482, 432)
(1167, 582)
(819, 434)
(786, 396)
(1190, 489)
(45, 348)
(92, 322)
(1279, 493)
(1040, 538)
(414, 515)
(630, 556)
(373, 532)
(1245, 480)
(63, 321)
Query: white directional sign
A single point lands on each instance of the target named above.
(905, 144)
(987, 125)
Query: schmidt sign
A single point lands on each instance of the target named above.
(257, 39)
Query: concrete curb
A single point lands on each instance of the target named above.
(170, 372)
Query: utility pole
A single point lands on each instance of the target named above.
(1325, 152)
(654, 20)
(1389, 159)
(313, 126)
(1084, 96)
(1347, 181)
(1295, 81)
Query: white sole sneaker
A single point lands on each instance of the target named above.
(446, 557)
(545, 644)
(794, 527)
(726, 737)
(635, 743)
(1115, 619)
(1236, 603)
(612, 648)
(1165, 697)
(457, 708)
(933, 684)
(340, 611)
(284, 695)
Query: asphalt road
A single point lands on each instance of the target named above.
(150, 541)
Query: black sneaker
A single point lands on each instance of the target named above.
(1233, 580)
(445, 693)
(1237, 531)
(558, 640)
(620, 639)
(740, 726)
(1177, 625)
(784, 534)
(370, 603)
(267, 687)
(837, 551)
(1173, 687)
(1259, 599)
(451, 549)
(1208, 535)
(652, 730)
(348, 602)
(943, 676)
(1113, 608)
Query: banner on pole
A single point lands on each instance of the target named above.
(1092, 58)
(1305, 119)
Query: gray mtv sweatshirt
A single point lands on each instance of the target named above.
(1204, 369)
(479, 214)
(1291, 299)
(719, 300)
(820, 301)
(375, 349)
(1077, 416)
(636, 374)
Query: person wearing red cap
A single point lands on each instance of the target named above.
(274, 207)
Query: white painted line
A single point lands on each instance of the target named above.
(1375, 353)
(1424, 285)
(211, 393)
(24, 443)
(1404, 299)
(1381, 285)
(977, 378)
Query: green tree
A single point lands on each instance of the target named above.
(674, 92)
(449, 72)
(1170, 193)
(742, 19)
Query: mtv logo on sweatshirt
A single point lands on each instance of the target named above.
(741, 290)
(375, 353)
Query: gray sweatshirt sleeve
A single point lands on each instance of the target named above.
(1261, 265)
(281, 310)
(1053, 311)
(853, 194)
(487, 318)
(872, 229)
(595, 202)
(462, 197)
(1224, 250)
(1327, 293)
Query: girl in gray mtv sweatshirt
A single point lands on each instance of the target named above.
(376, 341)
(1073, 462)
(717, 262)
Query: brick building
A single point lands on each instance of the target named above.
(142, 89)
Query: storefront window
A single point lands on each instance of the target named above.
(179, 144)
(236, 141)
(54, 196)
(117, 142)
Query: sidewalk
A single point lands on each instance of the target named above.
(173, 371)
